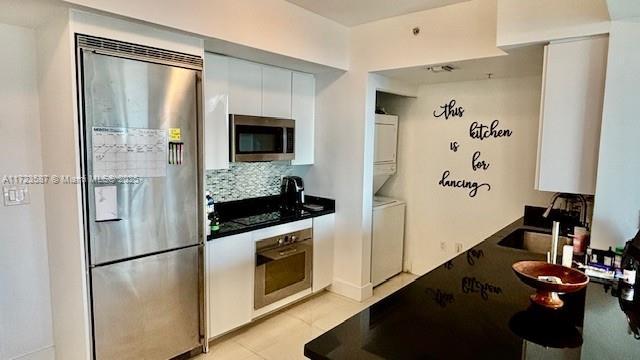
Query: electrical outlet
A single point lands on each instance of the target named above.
(16, 195)
(458, 248)
(443, 246)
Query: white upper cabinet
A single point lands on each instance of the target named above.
(276, 92)
(303, 112)
(570, 115)
(245, 87)
(386, 138)
(233, 86)
(216, 111)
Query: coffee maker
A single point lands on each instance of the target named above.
(291, 193)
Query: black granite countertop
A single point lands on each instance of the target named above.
(246, 215)
(474, 307)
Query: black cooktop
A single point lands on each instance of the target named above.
(474, 307)
(255, 213)
(258, 219)
(269, 217)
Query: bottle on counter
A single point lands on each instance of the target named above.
(580, 240)
(629, 271)
(213, 219)
(209, 202)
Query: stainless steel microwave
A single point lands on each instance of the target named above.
(258, 138)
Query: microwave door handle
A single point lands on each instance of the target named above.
(284, 140)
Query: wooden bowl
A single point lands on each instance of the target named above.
(547, 293)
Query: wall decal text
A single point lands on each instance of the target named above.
(480, 131)
(473, 186)
(449, 110)
(476, 163)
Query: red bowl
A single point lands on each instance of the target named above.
(546, 295)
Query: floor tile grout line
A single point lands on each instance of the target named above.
(391, 287)
(248, 349)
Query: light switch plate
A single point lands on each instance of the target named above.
(16, 195)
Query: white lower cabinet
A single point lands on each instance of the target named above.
(230, 274)
(323, 230)
(387, 242)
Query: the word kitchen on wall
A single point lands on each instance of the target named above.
(478, 131)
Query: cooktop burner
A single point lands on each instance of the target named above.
(259, 219)
(266, 217)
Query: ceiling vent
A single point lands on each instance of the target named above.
(440, 68)
(141, 52)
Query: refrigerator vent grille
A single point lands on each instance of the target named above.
(140, 51)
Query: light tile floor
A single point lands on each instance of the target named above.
(282, 335)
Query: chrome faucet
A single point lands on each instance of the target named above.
(556, 196)
(555, 238)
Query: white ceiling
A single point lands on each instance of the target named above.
(518, 63)
(26, 13)
(355, 12)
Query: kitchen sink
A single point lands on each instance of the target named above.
(532, 241)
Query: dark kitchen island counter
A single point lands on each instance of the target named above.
(474, 307)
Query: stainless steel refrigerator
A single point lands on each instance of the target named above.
(140, 138)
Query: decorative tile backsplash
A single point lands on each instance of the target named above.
(247, 180)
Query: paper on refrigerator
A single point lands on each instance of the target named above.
(106, 201)
(129, 152)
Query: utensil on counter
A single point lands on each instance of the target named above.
(549, 280)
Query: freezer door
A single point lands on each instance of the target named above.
(147, 308)
(153, 213)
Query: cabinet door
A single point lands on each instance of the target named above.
(276, 92)
(245, 87)
(570, 115)
(323, 234)
(387, 244)
(216, 111)
(230, 273)
(386, 138)
(303, 112)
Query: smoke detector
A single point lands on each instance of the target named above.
(440, 68)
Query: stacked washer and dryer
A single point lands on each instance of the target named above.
(387, 246)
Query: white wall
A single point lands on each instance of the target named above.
(533, 21)
(436, 214)
(451, 33)
(616, 214)
(337, 172)
(58, 121)
(25, 310)
(60, 156)
(345, 104)
(276, 26)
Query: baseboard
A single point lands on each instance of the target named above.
(352, 291)
(47, 353)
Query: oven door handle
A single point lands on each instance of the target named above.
(288, 252)
(277, 254)
(267, 256)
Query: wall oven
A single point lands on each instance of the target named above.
(283, 266)
(257, 138)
